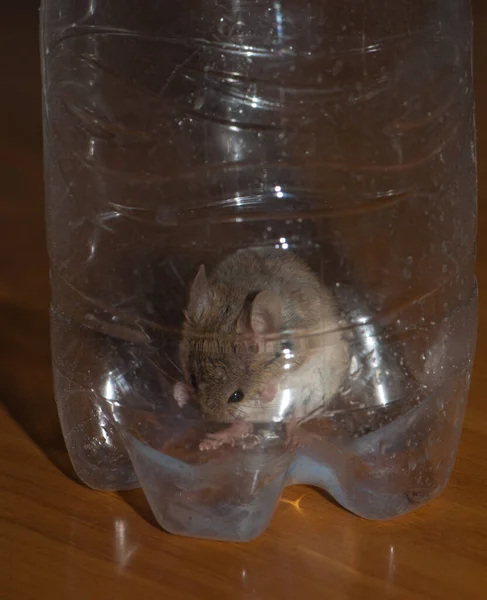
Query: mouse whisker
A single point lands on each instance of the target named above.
(169, 377)
(175, 366)
(238, 412)
(161, 370)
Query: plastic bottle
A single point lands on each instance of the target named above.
(178, 133)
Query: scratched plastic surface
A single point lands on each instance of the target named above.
(179, 132)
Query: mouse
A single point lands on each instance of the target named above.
(262, 341)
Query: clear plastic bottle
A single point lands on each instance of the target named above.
(177, 134)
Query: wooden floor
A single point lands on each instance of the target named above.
(60, 540)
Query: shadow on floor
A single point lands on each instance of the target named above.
(26, 380)
(137, 501)
(26, 390)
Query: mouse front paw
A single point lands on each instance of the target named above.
(210, 443)
(229, 436)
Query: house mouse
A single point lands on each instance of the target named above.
(260, 342)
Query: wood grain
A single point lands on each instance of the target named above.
(61, 540)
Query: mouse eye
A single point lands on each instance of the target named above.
(194, 382)
(237, 396)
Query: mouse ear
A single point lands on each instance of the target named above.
(266, 313)
(199, 295)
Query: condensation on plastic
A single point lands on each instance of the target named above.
(177, 133)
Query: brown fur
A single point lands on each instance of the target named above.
(222, 344)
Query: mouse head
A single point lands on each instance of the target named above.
(227, 352)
